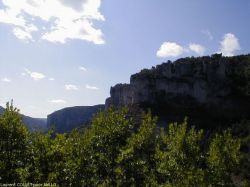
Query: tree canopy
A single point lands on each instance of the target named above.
(114, 151)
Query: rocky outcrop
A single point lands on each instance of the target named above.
(67, 119)
(216, 86)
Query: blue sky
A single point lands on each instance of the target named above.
(60, 53)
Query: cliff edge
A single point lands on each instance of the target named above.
(210, 89)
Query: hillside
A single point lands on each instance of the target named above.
(210, 90)
(69, 118)
(1, 109)
(33, 124)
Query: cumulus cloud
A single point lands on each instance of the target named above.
(91, 87)
(58, 101)
(229, 45)
(170, 49)
(76, 4)
(82, 68)
(57, 20)
(197, 48)
(51, 79)
(35, 75)
(21, 34)
(71, 87)
(5, 79)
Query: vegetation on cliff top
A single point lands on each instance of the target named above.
(237, 70)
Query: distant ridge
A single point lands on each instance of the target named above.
(63, 120)
(66, 119)
(33, 124)
(1, 109)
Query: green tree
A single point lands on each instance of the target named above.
(136, 163)
(51, 159)
(114, 151)
(14, 140)
(102, 141)
(186, 158)
(39, 162)
(180, 156)
(223, 158)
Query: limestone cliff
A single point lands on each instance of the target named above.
(216, 86)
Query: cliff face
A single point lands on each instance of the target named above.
(73, 117)
(216, 83)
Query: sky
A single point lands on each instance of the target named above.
(60, 53)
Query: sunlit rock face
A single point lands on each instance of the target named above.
(214, 84)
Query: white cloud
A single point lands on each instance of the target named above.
(197, 48)
(22, 34)
(51, 79)
(58, 101)
(35, 75)
(71, 87)
(170, 49)
(82, 68)
(91, 87)
(208, 34)
(57, 20)
(32, 107)
(229, 45)
(5, 79)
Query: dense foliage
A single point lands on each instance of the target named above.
(114, 151)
